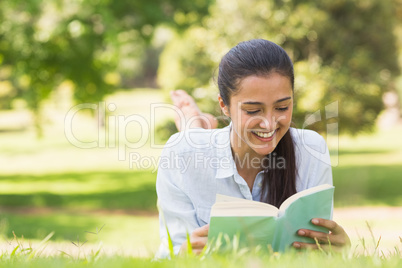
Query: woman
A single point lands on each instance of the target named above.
(257, 157)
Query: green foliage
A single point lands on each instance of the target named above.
(89, 43)
(344, 51)
(165, 129)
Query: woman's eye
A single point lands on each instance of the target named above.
(282, 108)
(252, 112)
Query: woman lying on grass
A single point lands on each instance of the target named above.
(256, 83)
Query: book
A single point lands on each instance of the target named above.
(256, 223)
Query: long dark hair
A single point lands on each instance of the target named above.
(261, 57)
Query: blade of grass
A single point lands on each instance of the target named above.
(14, 251)
(318, 245)
(41, 244)
(170, 243)
(189, 247)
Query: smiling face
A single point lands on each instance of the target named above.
(261, 113)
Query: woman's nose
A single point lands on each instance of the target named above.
(267, 122)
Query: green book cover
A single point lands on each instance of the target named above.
(255, 223)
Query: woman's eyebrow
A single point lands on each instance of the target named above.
(283, 99)
(260, 103)
(253, 102)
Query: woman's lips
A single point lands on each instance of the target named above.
(264, 135)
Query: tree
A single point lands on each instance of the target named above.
(89, 43)
(343, 52)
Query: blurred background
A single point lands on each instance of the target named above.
(80, 132)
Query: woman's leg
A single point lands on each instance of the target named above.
(191, 116)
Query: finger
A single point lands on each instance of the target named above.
(320, 236)
(199, 242)
(301, 245)
(338, 235)
(197, 251)
(202, 231)
(330, 225)
(309, 246)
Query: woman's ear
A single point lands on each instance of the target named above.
(224, 108)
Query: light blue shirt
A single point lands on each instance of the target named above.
(197, 164)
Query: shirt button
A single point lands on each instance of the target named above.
(259, 184)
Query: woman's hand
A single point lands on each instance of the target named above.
(198, 240)
(337, 236)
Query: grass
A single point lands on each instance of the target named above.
(49, 185)
(304, 260)
(120, 234)
(21, 152)
(367, 168)
(360, 185)
(133, 190)
(29, 257)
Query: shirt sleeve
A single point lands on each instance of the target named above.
(177, 214)
(323, 168)
(313, 160)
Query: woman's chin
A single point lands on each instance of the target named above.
(264, 151)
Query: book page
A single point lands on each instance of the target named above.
(226, 206)
(298, 215)
(306, 192)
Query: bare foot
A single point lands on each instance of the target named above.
(191, 116)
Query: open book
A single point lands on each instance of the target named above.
(256, 223)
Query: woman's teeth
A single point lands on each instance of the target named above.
(264, 134)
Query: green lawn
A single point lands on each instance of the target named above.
(368, 185)
(235, 259)
(369, 169)
(131, 190)
(118, 233)
(50, 185)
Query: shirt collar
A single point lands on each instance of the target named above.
(227, 165)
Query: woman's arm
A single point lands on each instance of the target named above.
(177, 214)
